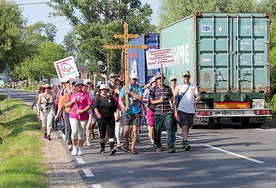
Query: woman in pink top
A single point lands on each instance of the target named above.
(79, 103)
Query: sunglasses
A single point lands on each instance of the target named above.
(47, 88)
(186, 76)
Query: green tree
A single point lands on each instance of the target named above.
(172, 10)
(12, 47)
(96, 21)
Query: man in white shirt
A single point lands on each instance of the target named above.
(187, 93)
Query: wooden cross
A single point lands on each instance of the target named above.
(125, 36)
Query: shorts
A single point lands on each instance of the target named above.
(131, 119)
(150, 117)
(185, 119)
(91, 117)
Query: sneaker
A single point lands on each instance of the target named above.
(186, 145)
(80, 153)
(159, 149)
(119, 146)
(48, 137)
(102, 150)
(69, 147)
(113, 151)
(45, 135)
(74, 152)
(171, 150)
(88, 143)
(84, 143)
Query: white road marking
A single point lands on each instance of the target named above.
(96, 186)
(88, 173)
(80, 160)
(235, 154)
(261, 129)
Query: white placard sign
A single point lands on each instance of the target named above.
(161, 56)
(66, 68)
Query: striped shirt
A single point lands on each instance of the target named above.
(155, 94)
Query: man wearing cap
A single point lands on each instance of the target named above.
(162, 97)
(79, 103)
(112, 78)
(186, 93)
(131, 115)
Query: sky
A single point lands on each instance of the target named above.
(34, 12)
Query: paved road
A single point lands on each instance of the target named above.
(226, 157)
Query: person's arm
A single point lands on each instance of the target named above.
(197, 94)
(137, 96)
(69, 101)
(94, 80)
(38, 105)
(121, 100)
(35, 101)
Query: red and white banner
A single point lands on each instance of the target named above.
(66, 68)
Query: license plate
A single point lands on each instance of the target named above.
(231, 112)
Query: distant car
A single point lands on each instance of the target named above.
(45, 80)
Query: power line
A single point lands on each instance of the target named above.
(38, 3)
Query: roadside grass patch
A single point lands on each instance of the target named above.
(21, 155)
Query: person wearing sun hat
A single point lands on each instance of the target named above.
(79, 103)
(162, 97)
(105, 105)
(187, 93)
(46, 106)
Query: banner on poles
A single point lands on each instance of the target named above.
(160, 56)
(66, 68)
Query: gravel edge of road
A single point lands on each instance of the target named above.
(61, 173)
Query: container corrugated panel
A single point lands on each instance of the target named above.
(225, 52)
(137, 57)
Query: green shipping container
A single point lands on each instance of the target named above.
(228, 57)
(225, 52)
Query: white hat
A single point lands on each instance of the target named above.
(79, 82)
(112, 75)
(173, 78)
(87, 81)
(103, 86)
(133, 75)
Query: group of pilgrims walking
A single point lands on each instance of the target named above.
(81, 105)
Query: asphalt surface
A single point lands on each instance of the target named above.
(228, 156)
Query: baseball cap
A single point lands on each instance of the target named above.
(112, 75)
(87, 81)
(173, 78)
(133, 75)
(186, 73)
(103, 86)
(159, 75)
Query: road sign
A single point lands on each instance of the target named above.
(125, 36)
(66, 68)
(161, 56)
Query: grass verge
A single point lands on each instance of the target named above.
(21, 155)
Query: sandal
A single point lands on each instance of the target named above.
(126, 148)
(134, 151)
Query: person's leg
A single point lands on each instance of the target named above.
(75, 129)
(150, 118)
(110, 126)
(157, 131)
(68, 130)
(82, 125)
(43, 117)
(126, 123)
(102, 132)
(50, 118)
(184, 121)
(170, 132)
